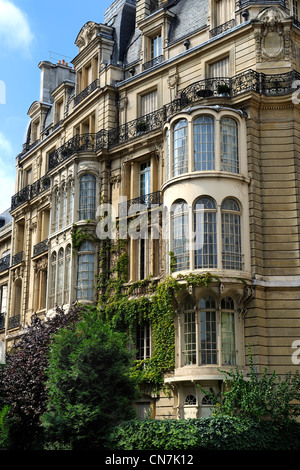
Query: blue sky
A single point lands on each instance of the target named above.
(28, 31)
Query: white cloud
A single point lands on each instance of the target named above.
(15, 32)
(7, 177)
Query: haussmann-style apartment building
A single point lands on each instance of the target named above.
(191, 105)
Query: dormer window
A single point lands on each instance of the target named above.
(154, 55)
(35, 131)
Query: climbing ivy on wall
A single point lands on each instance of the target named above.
(119, 306)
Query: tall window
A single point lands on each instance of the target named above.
(229, 145)
(180, 148)
(85, 271)
(204, 152)
(156, 49)
(60, 277)
(145, 178)
(200, 332)
(87, 197)
(205, 229)
(52, 284)
(149, 103)
(220, 68)
(67, 283)
(189, 333)
(208, 331)
(3, 299)
(143, 341)
(228, 332)
(63, 209)
(231, 234)
(180, 235)
(295, 8)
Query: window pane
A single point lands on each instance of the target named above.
(180, 158)
(229, 145)
(204, 157)
(87, 197)
(228, 332)
(143, 342)
(145, 179)
(60, 276)
(190, 340)
(85, 272)
(208, 331)
(205, 228)
(180, 238)
(231, 235)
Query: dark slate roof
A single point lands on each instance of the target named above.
(190, 16)
(5, 218)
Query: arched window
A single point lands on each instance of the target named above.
(85, 271)
(63, 214)
(60, 277)
(231, 235)
(229, 145)
(208, 331)
(180, 147)
(189, 333)
(52, 284)
(67, 273)
(205, 229)
(87, 197)
(190, 400)
(180, 234)
(228, 331)
(204, 146)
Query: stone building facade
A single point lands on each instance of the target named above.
(192, 105)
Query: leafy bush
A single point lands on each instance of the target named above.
(23, 379)
(212, 433)
(89, 386)
(266, 396)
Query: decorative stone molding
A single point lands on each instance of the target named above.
(115, 180)
(41, 265)
(86, 34)
(273, 36)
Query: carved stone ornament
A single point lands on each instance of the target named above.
(272, 32)
(86, 34)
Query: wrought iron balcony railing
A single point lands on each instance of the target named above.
(17, 258)
(155, 61)
(14, 322)
(78, 143)
(4, 263)
(40, 248)
(141, 203)
(221, 28)
(30, 191)
(86, 92)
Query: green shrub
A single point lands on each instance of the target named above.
(211, 433)
(89, 386)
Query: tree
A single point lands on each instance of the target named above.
(90, 389)
(23, 379)
(261, 397)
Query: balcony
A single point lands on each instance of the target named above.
(78, 143)
(4, 263)
(17, 258)
(86, 92)
(222, 28)
(40, 248)
(142, 203)
(30, 192)
(218, 87)
(155, 61)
